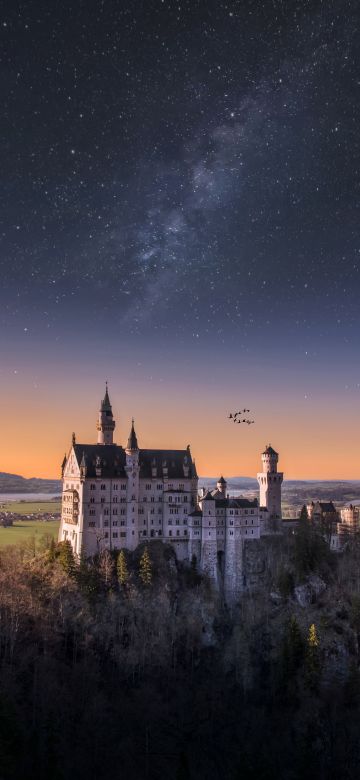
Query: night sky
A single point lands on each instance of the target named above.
(180, 215)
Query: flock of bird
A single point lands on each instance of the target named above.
(238, 417)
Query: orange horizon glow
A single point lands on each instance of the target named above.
(37, 429)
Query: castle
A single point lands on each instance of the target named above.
(116, 497)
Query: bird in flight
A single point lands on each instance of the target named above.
(239, 417)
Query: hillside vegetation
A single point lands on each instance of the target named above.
(131, 667)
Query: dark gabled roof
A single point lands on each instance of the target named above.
(270, 451)
(207, 497)
(326, 506)
(173, 460)
(221, 481)
(112, 459)
(243, 503)
(195, 513)
(263, 509)
(236, 503)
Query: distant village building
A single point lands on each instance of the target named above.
(115, 497)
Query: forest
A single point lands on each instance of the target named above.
(132, 666)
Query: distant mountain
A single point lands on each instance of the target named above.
(13, 483)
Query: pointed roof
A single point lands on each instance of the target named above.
(221, 481)
(105, 403)
(207, 497)
(270, 451)
(132, 440)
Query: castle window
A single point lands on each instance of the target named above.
(92, 486)
(152, 499)
(147, 487)
(159, 511)
(115, 522)
(122, 522)
(177, 522)
(103, 500)
(144, 499)
(102, 487)
(115, 500)
(106, 511)
(169, 522)
(122, 511)
(231, 522)
(115, 535)
(122, 533)
(91, 524)
(170, 499)
(152, 511)
(123, 487)
(185, 532)
(185, 499)
(177, 533)
(114, 511)
(158, 487)
(170, 533)
(160, 533)
(106, 534)
(160, 498)
(92, 500)
(106, 524)
(116, 486)
(92, 512)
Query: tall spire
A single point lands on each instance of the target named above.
(132, 440)
(105, 403)
(106, 423)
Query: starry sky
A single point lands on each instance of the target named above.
(180, 215)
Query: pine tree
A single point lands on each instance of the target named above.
(312, 659)
(51, 551)
(66, 557)
(145, 570)
(122, 569)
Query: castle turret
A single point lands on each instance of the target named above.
(270, 481)
(106, 422)
(222, 486)
(132, 471)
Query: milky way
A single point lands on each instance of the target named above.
(183, 169)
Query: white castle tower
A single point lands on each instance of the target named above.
(106, 423)
(270, 481)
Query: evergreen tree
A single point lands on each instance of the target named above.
(122, 569)
(66, 557)
(312, 659)
(311, 549)
(145, 569)
(51, 551)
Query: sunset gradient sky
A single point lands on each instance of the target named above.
(180, 215)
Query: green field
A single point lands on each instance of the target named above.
(23, 531)
(31, 507)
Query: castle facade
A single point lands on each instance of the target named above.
(115, 497)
